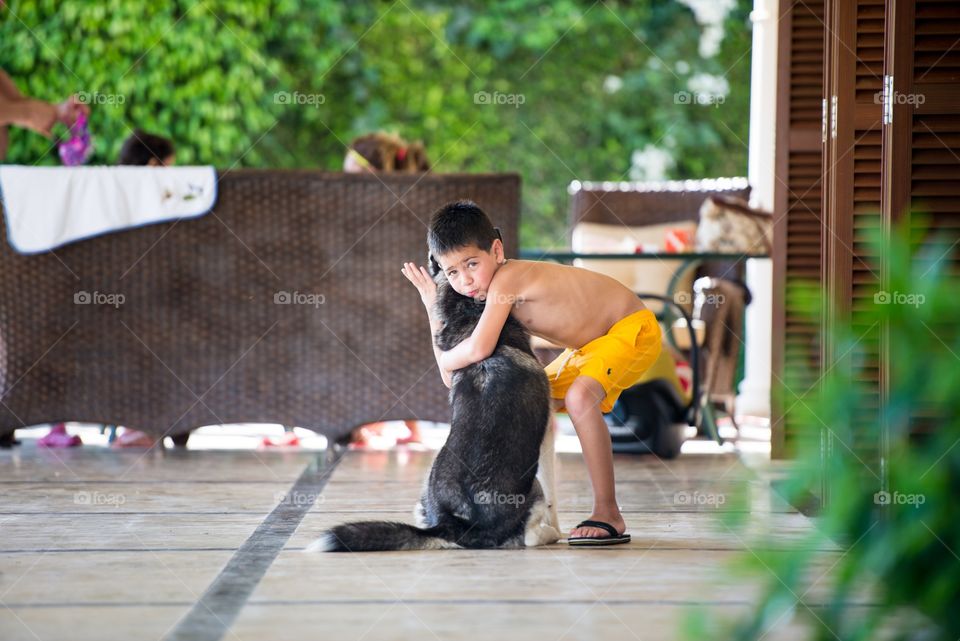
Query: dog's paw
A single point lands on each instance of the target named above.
(543, 527)
(550, 535)
(541, 534)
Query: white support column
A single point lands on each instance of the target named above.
(754, 398)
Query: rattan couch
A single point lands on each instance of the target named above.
(203, 335)
(648, 203)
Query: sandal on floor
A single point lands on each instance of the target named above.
(613, 539)
(58, 437)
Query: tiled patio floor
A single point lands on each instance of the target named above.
(100, 545)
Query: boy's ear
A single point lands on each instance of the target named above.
(502, 252)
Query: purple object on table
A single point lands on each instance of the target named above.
(78, 148)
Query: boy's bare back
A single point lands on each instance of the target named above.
(566, 305)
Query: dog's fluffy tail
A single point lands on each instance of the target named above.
(374, 536)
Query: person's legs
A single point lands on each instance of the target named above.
(134, 439)
(360, 436)
(414, 433)
(582, 402)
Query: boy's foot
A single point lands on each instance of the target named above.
(584, 530)
(612, 536)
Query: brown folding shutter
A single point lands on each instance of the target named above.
(866, 269)
(797, 227)
(924, 135)
(852, 206)
(934, 165)
(892, 76)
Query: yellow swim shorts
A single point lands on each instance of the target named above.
(616, 360)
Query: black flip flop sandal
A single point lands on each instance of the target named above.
(613, 539)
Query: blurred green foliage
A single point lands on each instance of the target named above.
(887, 468)
(280, 83)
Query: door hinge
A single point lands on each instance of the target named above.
(833, 117)
(823, 124)
(887, 100)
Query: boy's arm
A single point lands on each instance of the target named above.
(435, 327)
(481, 343)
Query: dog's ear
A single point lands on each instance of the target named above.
(433, 266)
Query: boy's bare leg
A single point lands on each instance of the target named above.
(582, 402)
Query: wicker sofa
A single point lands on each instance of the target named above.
(648, 203)
(284, 304)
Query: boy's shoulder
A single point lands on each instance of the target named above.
(513, 272)
(518, 266)
(553, 278)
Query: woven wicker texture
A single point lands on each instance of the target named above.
(648, 203)
(653, 203)
(201, 335)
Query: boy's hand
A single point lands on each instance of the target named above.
(423, 282)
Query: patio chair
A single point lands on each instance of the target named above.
(721, 304)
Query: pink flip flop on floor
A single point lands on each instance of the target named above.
(58, 437)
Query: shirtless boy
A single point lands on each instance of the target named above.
(610, 337)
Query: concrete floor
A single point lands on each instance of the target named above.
(208, 544)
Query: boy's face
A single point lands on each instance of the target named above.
(470, 269)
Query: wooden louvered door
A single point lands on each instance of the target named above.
(797, 212)
(890, 149)
(892, 72)
(923, 138)
(853, 215)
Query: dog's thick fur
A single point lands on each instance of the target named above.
(486, 488)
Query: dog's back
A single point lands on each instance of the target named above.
(482, 490)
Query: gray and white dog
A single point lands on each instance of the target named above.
(492, 483)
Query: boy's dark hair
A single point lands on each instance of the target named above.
(141, 147)
(457, 225)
